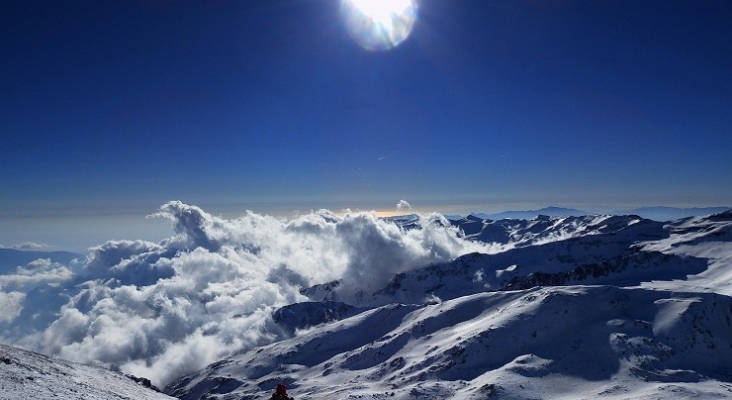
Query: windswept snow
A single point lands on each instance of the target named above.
(708, 238)
(28, 375)
(581, 341)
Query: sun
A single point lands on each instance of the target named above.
(379, 24)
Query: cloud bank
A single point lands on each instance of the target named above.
(10, 305)
(26, 246)
(38, 272)
(161, 310)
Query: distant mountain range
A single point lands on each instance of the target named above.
(671, 213)
(654, 213)
(548, 211)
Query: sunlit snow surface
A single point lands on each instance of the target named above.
(27, 375)
(560, 342)
(709, 238)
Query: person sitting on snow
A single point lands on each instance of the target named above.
(281, 393)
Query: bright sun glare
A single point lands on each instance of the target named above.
(379, 24)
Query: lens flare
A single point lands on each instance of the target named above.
(379, 24)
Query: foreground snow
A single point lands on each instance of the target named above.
(28, 375)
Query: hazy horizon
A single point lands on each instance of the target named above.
(79, 231)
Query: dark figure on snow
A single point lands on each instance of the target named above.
(281, 393)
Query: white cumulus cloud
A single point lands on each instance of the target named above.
(38, 272)
(161, 310)
(26, 246)
(10, 305)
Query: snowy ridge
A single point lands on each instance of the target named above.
(307, 314)
(545, 229)
(28, 375)
(543, 251)
(708, 238)
(584, 341)
(672, 213)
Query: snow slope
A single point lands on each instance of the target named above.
(708, 238)
(568, 342)
(28, 375)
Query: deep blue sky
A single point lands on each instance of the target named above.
(114, 107)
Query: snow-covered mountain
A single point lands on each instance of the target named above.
(29, 375)
(654, 321)
(543, 251)
(552, 342)
(544, 229)
(417, 306)
(658, 213)
(671, 213)
(551, 211)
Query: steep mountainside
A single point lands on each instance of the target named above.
(543, 251)
(584, 341)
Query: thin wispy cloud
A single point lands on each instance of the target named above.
(10, 305)
(403, 205)
(26, 246)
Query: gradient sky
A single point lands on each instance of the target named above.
(109, 109)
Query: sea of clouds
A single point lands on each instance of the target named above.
(161, 310)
